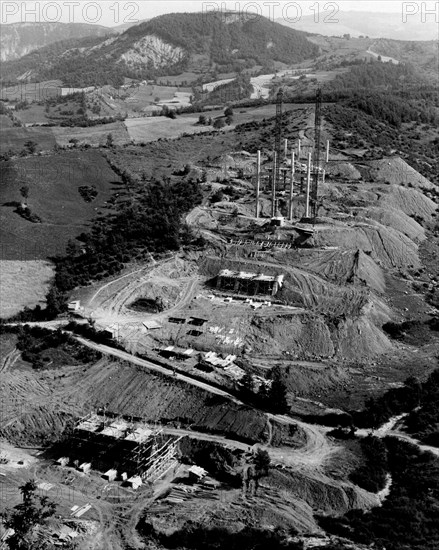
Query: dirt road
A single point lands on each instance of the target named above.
(313, 455)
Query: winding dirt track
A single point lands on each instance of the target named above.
(313, 455)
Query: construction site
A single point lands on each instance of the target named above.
(309, 251)
(131, 452)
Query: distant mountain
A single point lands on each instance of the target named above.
(374, 25)
(168, 44)
(19, 39)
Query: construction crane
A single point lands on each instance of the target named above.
(316, 159)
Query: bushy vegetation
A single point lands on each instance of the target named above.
(381, 138)
(29, 520)
(395, 401)
(407, 519)
(372, 473)
(420, 400)
(151, 221)
(43, 347)
(423, 422)
(194, 536)
(237, 89)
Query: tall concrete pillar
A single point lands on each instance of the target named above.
(299, 149)
(293, 169)
(285, 148)
(273, 186)
(258, 182)
(308, 186)
(327, 150)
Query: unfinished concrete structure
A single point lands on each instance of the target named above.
(241, 282)
(132, 449)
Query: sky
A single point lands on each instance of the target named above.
(116, 12)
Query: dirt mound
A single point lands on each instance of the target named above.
(411, 201)
(344, 267)
(397, 171)
(301, 336)
(344, 170)
(390, 217)
(386, 246)
(328, 496)
(312, 337)
(302, 379)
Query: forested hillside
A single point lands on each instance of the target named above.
(234, 45)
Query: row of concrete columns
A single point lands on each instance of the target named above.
(293, 169)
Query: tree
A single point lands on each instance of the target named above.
(24, 191)
(229, 120)
(228, 111)
(31, 146)
(74, 141)
(247, 383)
(261, 460)
(110, 140)
(202, 119)
(278, 393)
(29, 519)
(219, 123)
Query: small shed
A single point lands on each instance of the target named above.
(134, 482)
(197, 472)
(111, 475)
(85, 467)
(150, 324)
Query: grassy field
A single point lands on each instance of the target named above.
(33, 91)
(36, 114)
(15, 138)
(95, 135)
(5, 122)
(53, 183)
(23, 284)
(153, 128)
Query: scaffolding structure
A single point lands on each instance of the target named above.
(132, 448)
(250, 284)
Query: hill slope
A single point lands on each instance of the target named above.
(166, 44)
(19, 39)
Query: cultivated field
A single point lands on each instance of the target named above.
(153, 128)
(23, 284)
(53, 183)
(96, 135)
(15, 138)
